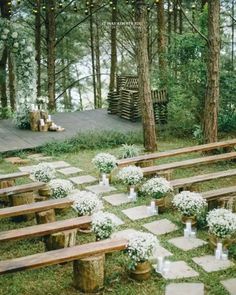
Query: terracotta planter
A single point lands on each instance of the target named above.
(141, 272)
(191, 219)
(213, 240)
(45, 191)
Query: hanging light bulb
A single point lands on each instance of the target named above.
(9, 3)
(60, 4)
(193, 6)
(18, 1)
(86, 11)
(75, 8)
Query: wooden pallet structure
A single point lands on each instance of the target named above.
(125, 100)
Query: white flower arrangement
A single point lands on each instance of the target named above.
(104, 162)
(141, 247)
(189, 203)
(221, 223)
(44, 172)
(86, 203)
(60, 187)
(103, 224)
(156, 187)
(130, 175)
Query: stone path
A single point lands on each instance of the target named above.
(187, 243)
(230, 285)
(160, 227)
(69, 170)
(179, 270)
(210, 264)
(185, 289)
(100, 189)
(12, 138)
(83, 179)
(136, 213)
(117, 199)
(55, 165)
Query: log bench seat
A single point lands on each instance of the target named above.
(219, 193)
(62, 255)
(13, 176)
(176, 152)
(45, 229)
(186, 183)
(22, 188)
(35, 207)
(187, 163)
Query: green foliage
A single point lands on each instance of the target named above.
(5, 113)
(92, 140)
(129, 150)
(198, 134)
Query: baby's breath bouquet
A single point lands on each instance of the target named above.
(86, 203)
(156, 187)
(189, 203)
(221, 223)
(140, 247)
(103, 224)
(60, 187)
(104, 162)
(44, 172)
(130, 175)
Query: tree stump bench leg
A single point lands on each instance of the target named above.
(4, 184)
(22, 199)
(166, 174)
(146, 163)
(45, 216)
(89, 273)
(61, 240)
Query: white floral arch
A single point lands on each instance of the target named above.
(13, 36)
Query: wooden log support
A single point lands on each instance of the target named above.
(34, 120)
(89, 273)
(45, 216)
(61, 240)
(22, 199)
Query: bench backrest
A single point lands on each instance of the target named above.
(62, 255)
(35, 207)
(176, 152)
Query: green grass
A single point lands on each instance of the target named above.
(58, 279)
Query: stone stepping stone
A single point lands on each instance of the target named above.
(160, 252)
(230, 285)
(35, 156)
(117, 219)
(117, 199)
(69, 170)
(185, 289)
(187, 243)
(39, 157)
(136, 213)
(160, 227)
(55, 165)
(124, 234)
(100, 189)
(27, 168)
(210, 264)
(43, 159)
(83, 179)
(180, 270)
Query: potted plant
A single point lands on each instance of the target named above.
(103, 225)
(222, 227)
(86, 203)
(140, 248)
(190, 204)
(157, 188)
(60, 188)
(44, 172)
(105, 163)
(131, 176)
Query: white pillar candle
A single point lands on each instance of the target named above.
(131, 192)
(134, 197)
(104, 178)
(106, 181)
(32, 107)
(41, 122)
(189, 226)
(36, 108)
(186, 233)
(166, 266)
(193, 234)
(160, 263)
(224, 256)
(153, 205)
(49, 118)
(217, 254)
(219, 246)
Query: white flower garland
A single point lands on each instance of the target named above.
(156, 187)
(12, 35)
(130, 175)
(221, 222)
(43, 172)
(189, 203)
(104, 162)
(103, 224)
(86, 203)
(60, 187)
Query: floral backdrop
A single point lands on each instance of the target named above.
(12, 35)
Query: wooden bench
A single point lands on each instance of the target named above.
(35, 207)
(187, 163)
(12, 176)
(22, 188)
(218, 193)
(88, 266)
(44, 229)
(186, 183)
(176, 152)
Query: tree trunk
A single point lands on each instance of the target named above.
(180, 19)
(98, 66)
(212, 90)
(93, 58)
(161, 42)
(38, 46)
(3, 82)
(169, 28)
(143, 78)
(12, 89)
(113, 68)
(51, 50)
